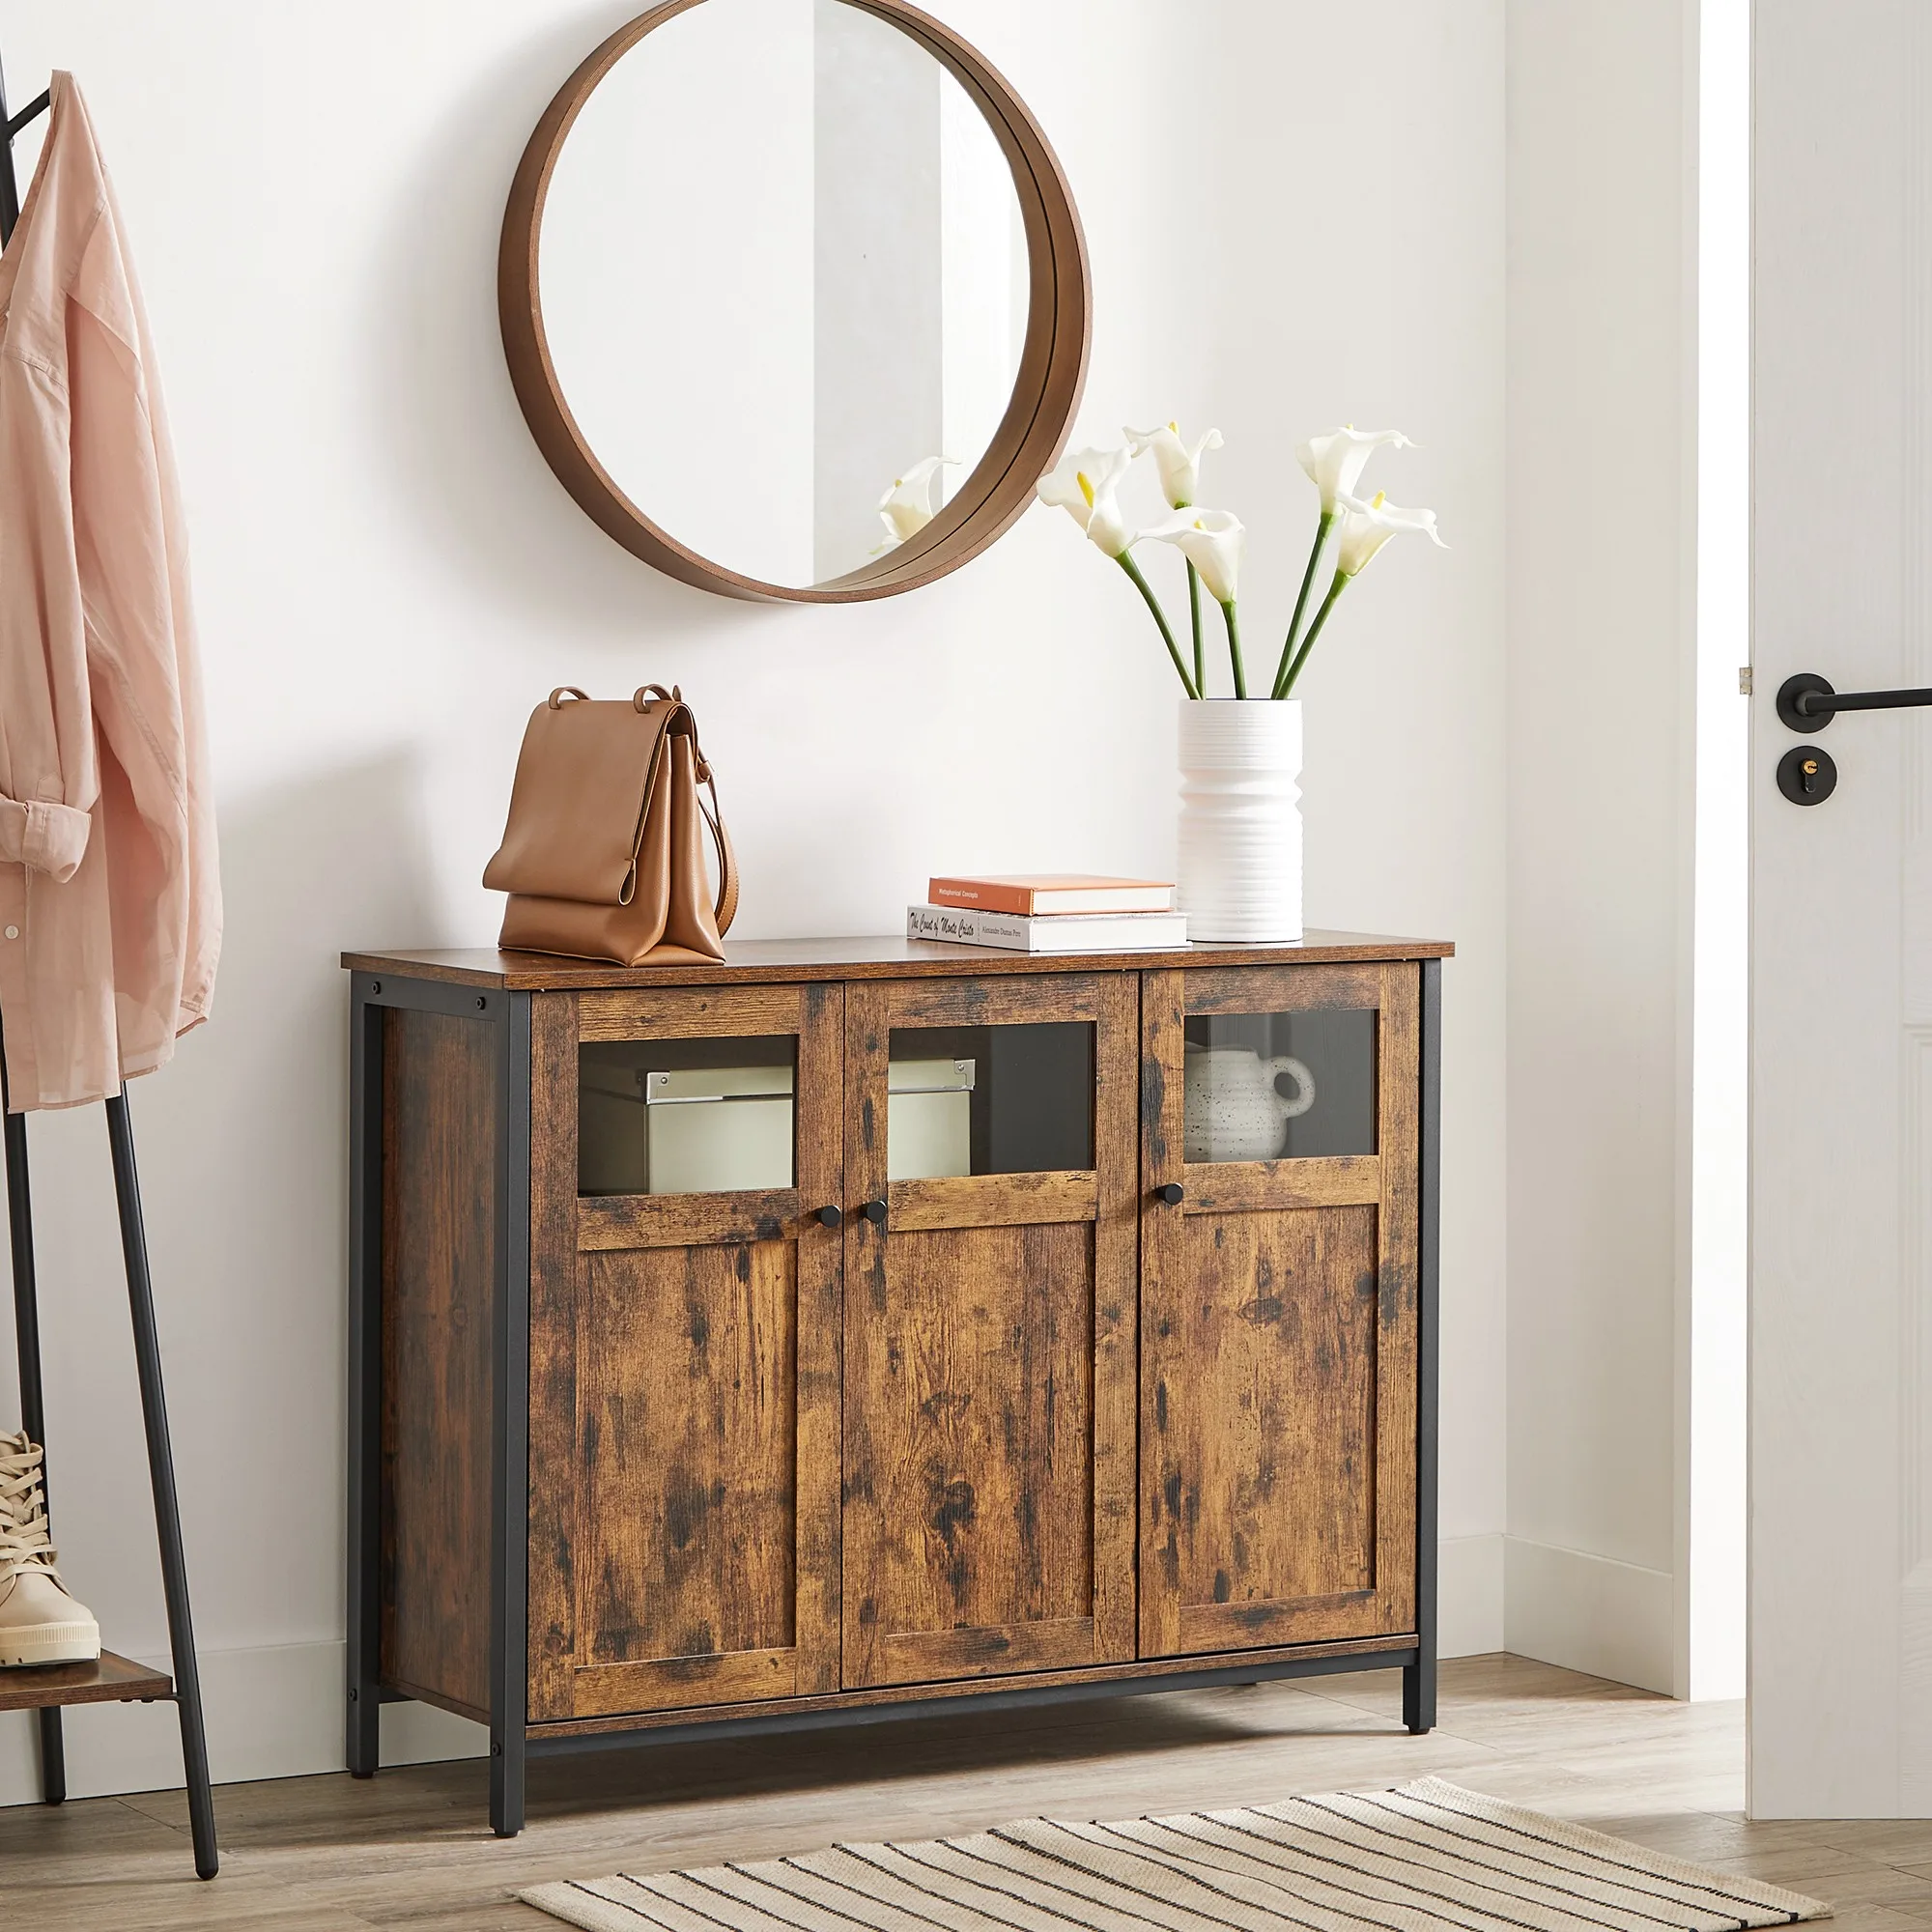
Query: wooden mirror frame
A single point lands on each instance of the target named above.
(1046, 391)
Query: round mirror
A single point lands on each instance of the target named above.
(794, 295)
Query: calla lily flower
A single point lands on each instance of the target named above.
(1180, 466)
(906, 508)
(1212, 541)
(1087, 485)
(1336, 461)
(1367, 527)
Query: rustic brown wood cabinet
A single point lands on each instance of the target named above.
(859, 1324)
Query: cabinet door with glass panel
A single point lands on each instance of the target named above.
(989, 1327)
(1279, 1305)
(684, 1346)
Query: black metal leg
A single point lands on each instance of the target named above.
(19, 1210)
(53, 1756)
(1418, 1678)
(363, 1721)
(33, 1400)
(161, 1469)
(1418, 1695)
(509, 1562)
(10, 187)
(506, 1782)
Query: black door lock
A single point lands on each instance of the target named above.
(1807, 703)
(1806, 775)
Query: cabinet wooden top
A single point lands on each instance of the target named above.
(748, 962)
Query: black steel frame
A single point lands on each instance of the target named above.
(511, 1747)
(186, 1692)
(1418, 1678)
(1018, 1697)
(33, 1399)
(141, 1314)
(510, 1350)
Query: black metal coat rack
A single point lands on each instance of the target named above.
(114, 1679)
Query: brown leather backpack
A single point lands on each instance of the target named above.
(602, 856)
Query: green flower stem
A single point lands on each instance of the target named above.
(1194, 611)
(1285, 683)
(1321, 531)
(1133, 570)
(1234, 648)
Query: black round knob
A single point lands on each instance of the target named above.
(831, 1216)
(876, 1212)
(1173, 1194)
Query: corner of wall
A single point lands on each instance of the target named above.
(1589, 1613)
(1601, 405)
(1470, 1596)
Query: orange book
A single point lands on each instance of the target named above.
(1028, 894)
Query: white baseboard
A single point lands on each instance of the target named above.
(1589, 1613)
(272, 1712)
(1470, 1596)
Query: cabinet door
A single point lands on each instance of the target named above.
(989, 1327)
(1278, 1306)
(684, 1347)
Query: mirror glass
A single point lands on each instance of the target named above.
(783, 275)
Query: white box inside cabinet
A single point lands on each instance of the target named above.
(929, 1118)
(718, 1129)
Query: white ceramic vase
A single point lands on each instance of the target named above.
(1241, 818)
(1235, 1110)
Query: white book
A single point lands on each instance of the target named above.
(1049, 932)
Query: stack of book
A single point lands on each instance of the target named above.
(1050, 911)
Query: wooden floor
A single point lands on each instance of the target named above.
(412, 1849)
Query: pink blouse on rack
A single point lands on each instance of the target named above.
(110, 906)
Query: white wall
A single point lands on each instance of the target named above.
(389, 578)
(1603, 624)
(1355, 275)
(1712, 1328)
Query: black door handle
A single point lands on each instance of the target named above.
(1806, 701)
(831, 1216)
(1808, 774)
(1173, 1194)
(874, 1212)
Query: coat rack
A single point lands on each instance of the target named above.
(113, 1679)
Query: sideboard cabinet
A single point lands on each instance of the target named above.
(862, 1325)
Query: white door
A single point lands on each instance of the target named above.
(1841, 993)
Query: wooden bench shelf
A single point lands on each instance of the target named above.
(109, 1680)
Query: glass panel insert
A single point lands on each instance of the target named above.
(685, 1115)
(991, 1100)
(1281, 1086)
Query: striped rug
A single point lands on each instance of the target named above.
(1426, 1854)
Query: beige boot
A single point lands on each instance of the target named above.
(40, 1623)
